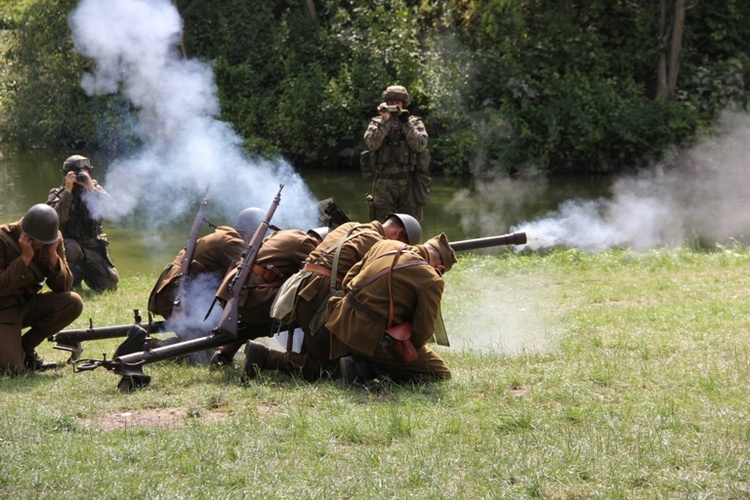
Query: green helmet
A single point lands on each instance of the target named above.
(411, 225)
(396, 93)
(248, 220)
(41, 224)
(76, 162)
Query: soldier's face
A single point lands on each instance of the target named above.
(400, 104)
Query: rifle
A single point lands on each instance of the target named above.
(70, 340)
(489, 241)
(129, 364)
(183, 278)
(229, 318)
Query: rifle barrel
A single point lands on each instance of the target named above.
(489, 241)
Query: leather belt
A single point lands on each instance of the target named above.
(268, 274)
(317, 269)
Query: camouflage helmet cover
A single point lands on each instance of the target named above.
(76, 162)
(41, 224)
(396, 93)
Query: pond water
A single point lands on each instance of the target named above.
(462, 209)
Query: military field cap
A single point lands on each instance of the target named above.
(447, 255)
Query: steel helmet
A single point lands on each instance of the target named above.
(41, 223)
(319, 232)
(76, 162)
(396, 93)
(411, 225)
(249, 219)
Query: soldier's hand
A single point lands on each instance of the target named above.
(83, 178)
(70, 180)
(404, 116)
(27, 248)
(383, 111)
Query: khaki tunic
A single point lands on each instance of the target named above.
(215, 253)
(21, 304)
(417, 291)
(280, 256)
(314, 293)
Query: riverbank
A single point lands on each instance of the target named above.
(613, 374)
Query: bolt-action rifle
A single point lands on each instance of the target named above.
(229, 318)
(179, 315)
(70, 340)
(129, 364)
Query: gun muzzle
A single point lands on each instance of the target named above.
(489, 241)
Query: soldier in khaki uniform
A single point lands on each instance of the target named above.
(32, 254)
(358, 319)
(398, 157)
(350, 241)
(280, 256)
(215, 254)
(81, 204)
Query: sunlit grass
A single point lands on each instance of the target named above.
(610, 375)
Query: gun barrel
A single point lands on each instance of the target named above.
(489, 241)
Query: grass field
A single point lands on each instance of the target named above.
(576, 375)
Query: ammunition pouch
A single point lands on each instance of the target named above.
(366, 162)
(398, 338)
(421, 187)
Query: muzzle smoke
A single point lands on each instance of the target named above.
(133, 44)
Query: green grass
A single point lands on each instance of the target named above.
(576, 375)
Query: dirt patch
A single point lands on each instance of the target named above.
(167, 418)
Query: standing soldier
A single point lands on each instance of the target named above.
(397, 154)
(81, 203)
(394, 288)
(32, 254)
(319, 278)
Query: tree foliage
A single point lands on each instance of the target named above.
(502, 85)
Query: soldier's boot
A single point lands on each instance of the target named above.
(355, 371)
(34, 363)
(255, 360)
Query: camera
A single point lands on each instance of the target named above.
(80, 176)
(390, 109)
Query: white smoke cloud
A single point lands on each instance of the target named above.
(704, 197)
(133, 44)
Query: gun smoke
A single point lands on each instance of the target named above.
(134, 47)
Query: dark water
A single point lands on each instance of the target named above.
(461, 208)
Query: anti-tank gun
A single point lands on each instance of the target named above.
(129, 359)
(489, 241)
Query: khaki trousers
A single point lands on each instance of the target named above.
(46, 314)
